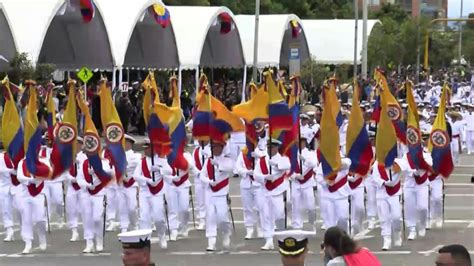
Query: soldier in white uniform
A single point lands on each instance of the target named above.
(128, 188)
(388, 182)
(31, 203)
(456, 129)
(177, 197)
(151, 175)
(7, 177)
(272, 172)
(371, 188)
(357, 197)
(74, 193)
(343, 131)
(469, 120)
(216, 172)
(200, 154)
(302, 193)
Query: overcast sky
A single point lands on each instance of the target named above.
(454, 8)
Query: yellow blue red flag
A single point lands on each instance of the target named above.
(50, 110)
(335, 107)
(386, 138)
(279, 114)
(177, 130)
(202, 114)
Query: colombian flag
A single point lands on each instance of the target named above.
(12, 131)
(223, 121)
(279, 113)
(415, 149)
(33, 134)
(386, 139)
(330, 155)
(439, 140)
(160, 14)
(92, 145)
(87, 10)
(202, 116)
(377, 108)
(359, 148)
(114, 132)
(330, 89)
(64, 147)
(393, 108)
(50, 111)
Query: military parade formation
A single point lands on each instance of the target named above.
(364, 162)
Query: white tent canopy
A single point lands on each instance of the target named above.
(274, 39)
(7, 42)
(199, 41)
(332, 41)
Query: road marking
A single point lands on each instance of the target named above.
(471, 225)
(248, 252)
(54, 255)
(459, 195)
(363, 235)
(431, 251)
(459, 185)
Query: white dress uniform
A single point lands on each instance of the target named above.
(252, 195)
(74, 196)
(151, 178)
(388, 202)
(416, 189)
(342, 135)
(456, 128)
(336, 195)
(436, 200)
(272, 174)
(6, 197)
(215, 174)
(112, 192)
(31, 203)
(469, 120)
(53, 189)
(199, 156)
(371, 188)
(302, 193)
(128, 193)
(357, 198)
(177, 196)
(93, 201)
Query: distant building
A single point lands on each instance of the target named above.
(375, 4)
(429, 8)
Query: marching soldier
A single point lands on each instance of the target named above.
(271, 171)
(151, 174)
(7, 182)
(371, 188)
(357, 194)
(200, 154)
(215, 174)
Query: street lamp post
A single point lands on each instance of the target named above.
(255, 44)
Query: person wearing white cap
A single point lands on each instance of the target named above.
(469, 120)
(456, 129)
(388, 182)
(293, 246)
(302, 193)
(136, 247)
(151, 175)
(7, 180)
(200, 154)
(92, 203)
(251, 192)
(177, 197)
(215, 173)
(74, 192)
(128, 188)
(271, 171)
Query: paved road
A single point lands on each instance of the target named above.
(459, 228)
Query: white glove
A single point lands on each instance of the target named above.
(96, 180)
(152, 183)
(272, 163)
(213, 182)
(126, 178)
(390, 183)
(155, 168)
(301, 158)
(175, 178)
(206, 153)
(352, 178)
(249, 172)
(298, 176)
(213, 161)
(12, 171)
(90, 186)
(254, 155)
(267, 177)
(90, 171)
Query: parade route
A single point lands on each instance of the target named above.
(458, 228)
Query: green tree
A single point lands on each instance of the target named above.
(22, 69)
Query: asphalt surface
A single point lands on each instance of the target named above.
(458, 228)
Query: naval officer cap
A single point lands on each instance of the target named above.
(130, 138)
(304, 116)
(136, 239)
(274, 142)
(292, 242)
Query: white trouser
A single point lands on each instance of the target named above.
(470, 140)
(6, 202)
(252, 203)
(371, 200)
(323, 205)
(127, 202)
(152, 211)
(93, 215)
(178, 207)
(436, 199)
(416, 206)
(273, 214)
(112, 200)
(32, 212)
(302, 202)
(54, 193)
(73, 206)
(338, 213)
(455, 150)
(217, 215)
(200, 191)
(390, 212)
(357, 208)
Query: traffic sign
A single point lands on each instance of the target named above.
(85, 74)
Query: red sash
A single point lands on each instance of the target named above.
(73, 173)
(248, 165)
(89, 179)
(32, 188)
(334, 187)
(146, 172)
(128, 183)
(197, 160)
(306, 177)
(390, 190)
(356, 183)
(9, 165)
(432, 177)
(210, 173)
(421, 179)
(181, 180)
(270, 185)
